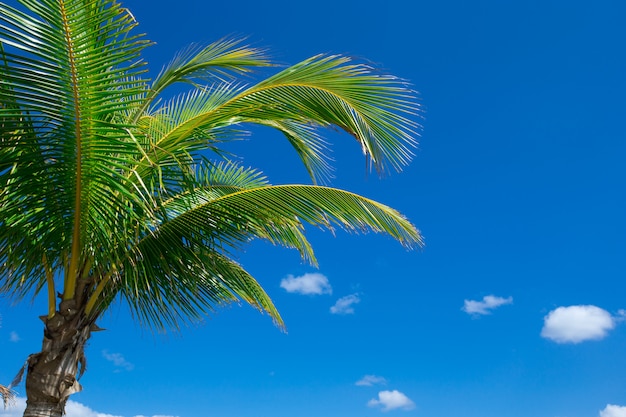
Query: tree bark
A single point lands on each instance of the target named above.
(52, 373)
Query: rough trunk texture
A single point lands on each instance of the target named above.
(53, 372)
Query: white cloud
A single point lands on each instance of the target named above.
(391, 400)
(72, 409)
(311, 283)
(575, 324)
(485, 306)
(158, 415)
(14, 337)
(613, 411)
(118, 360)
(344, 304)
(370, 380)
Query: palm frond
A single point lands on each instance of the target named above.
(167, 293)
(261, 209)
(321, 91)
(182, 269)
(223, 230)
(160, 148)
(374, 108)
(220, 60)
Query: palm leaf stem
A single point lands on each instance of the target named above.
(71, 278)
(50, 286)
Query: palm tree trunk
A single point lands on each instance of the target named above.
(53, 372)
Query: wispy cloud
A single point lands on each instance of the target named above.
(14, 337)
(344, 305)
(391, 400)
(488, 303)
(118, 360)
(310, 284)
(370, 380)
(575, 324)
(613, 411)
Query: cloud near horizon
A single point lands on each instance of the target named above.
(612, 410)
(488, 303)
(575, 324)
(391, 400)
(370, 380)
(72, 409)
(308, 284)
(344, 305)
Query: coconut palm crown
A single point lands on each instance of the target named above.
(113, 189)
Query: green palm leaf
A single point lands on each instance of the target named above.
(256, 210)
(219, 60)
(321, 91)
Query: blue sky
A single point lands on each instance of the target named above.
(515, 306)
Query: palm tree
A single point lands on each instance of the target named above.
(111, 192)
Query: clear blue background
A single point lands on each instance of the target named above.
(517, 186)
